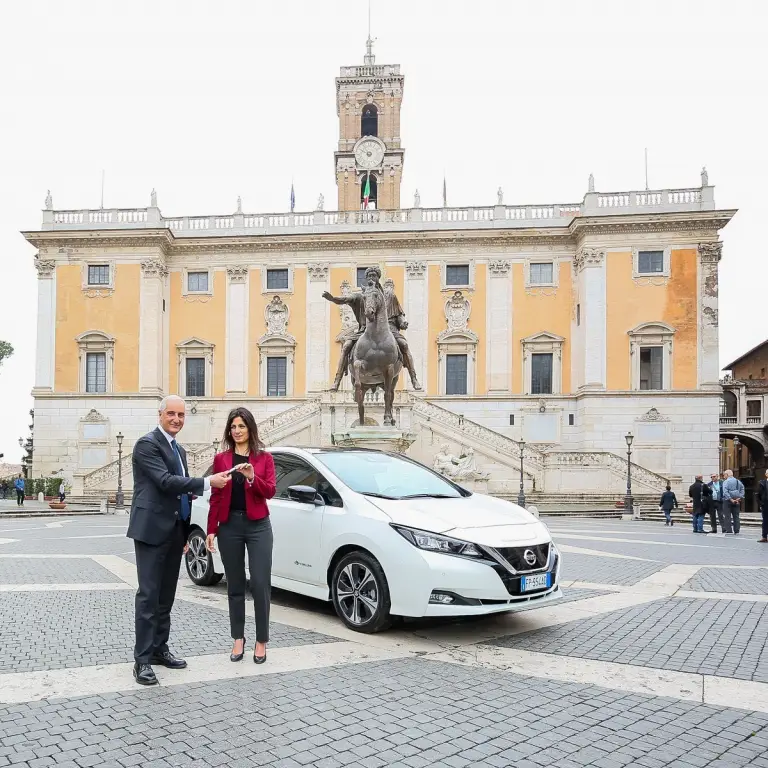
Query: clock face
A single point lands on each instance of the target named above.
(369, 154)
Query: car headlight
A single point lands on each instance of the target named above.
(434, 542)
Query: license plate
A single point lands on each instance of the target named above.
(539, 581)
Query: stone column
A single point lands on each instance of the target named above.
(45, 357)
(151, 326)
(590, 268)
(236, 374)
(709, 337)
(318, 331)
(417, 313)
(498, 317)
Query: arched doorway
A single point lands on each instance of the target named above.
(745, 454)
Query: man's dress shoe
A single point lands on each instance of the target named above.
(143, 674)
(167, 659)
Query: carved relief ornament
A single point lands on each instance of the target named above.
(44, 268)
(276, 316)
(237, 273)
(499, 267)
(457, 310)
(588, 257)
(710, 252)
(317, 272)
(415, 269)
(154, 268)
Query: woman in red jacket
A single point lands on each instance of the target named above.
(239, 517)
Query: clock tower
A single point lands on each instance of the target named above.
(368, 100)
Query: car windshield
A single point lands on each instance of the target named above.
(381, 474)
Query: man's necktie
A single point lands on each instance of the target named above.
(184, 514)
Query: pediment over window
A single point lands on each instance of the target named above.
(95, 337)
(652, 329)
(457, 337)
(270, 341)
(543, 337)
(194, 342)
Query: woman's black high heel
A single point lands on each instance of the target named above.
(259, 659)
(237, 656)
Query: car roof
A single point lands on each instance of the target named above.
(317, 449)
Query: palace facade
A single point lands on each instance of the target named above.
(562, 325)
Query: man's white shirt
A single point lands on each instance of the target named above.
(170, 439)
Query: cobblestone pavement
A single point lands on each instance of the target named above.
(329, 698)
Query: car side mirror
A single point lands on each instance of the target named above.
(305, 494)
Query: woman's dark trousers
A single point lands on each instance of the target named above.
(235, 536)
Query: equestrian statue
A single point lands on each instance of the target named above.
(375, 354)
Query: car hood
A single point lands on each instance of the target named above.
(477, 518)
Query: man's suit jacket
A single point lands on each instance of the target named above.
(762, 495)
(695, 492)
(157, 488)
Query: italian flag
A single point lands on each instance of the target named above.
(367, 191)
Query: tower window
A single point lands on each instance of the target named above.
(369, 122)
(372, 198)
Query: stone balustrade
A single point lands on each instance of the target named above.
(483, 217)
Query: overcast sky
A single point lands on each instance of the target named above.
(207, 101)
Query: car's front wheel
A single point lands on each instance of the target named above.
(360, 593)
(199, 561)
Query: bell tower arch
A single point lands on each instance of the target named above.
(368, 101)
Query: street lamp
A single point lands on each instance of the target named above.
(215, 447)
(629, 501)
(736, 453)
(521, 493)
(119, 497)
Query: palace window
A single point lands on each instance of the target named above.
(197, 282)
(195, 377)
(361, 281)
(277, 279)
(457, 275)
(277, 376)
(456, 375)
(728, 405)
(542, 273)
(96, 372)
(651, 367)
(96, 352)
(650, 262)
(369, 123)
(541, 373)
(542, 363)
(374, 191)
(98, 274)
(650, 348)
(754, 410)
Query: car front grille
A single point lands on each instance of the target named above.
(515, 556)
(513, 586)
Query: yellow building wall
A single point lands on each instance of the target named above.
(338, 275)
(204, 317)
(541, 310)
(630, 303)
(117, 315)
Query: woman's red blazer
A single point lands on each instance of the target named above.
(256, 493)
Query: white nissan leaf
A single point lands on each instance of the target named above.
(382, 536)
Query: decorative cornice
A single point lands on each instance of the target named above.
(154, 268)
(710, 252)
(98, 293)
(45, 268)
(710, 221)
(317, 272)
(237, 273)
(499, 267)
(415, 269)
(588, 257)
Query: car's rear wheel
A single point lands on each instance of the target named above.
(199, 561)
(360, 593)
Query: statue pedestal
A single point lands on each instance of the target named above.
(476, 486)
(376, 438)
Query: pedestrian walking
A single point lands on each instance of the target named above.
(159, 525)
(4, 488)
(716, 503)
(20, 487)
(762, 500)
(695, 491)
(238, 515)
(667, 504)
(733, 493)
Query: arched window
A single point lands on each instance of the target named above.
(369, 123)
(728, 405)
(374, 188)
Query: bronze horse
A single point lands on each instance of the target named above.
(376, 359)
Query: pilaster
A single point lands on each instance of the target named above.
(709, 333)
(45, 358)
(151, 325)
(498, 327)
(318, 327)
(417, 314)
(589, 265)
(236, 374)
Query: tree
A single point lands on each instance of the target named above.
(6, 350)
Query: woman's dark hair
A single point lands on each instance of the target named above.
(254, 444)
(669, 487)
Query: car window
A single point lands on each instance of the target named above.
(291, 470)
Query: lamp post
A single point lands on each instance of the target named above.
(521, 493)
(736, 454)
(119, 498)
(24, 468)
(215, 447)
(629, 501)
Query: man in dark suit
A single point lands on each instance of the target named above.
(159, 525)
(696, 494)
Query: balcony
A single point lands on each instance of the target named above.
(548, 215)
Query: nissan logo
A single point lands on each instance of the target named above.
(529, 556)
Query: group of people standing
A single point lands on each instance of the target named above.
(243, 480)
